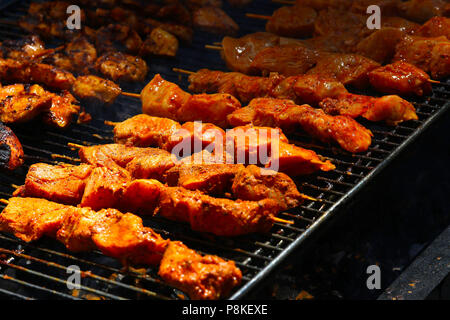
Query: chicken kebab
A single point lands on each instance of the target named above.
(165, 99)
(123, 237)
(11, 151)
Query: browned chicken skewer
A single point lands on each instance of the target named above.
(11, 152)
(121, 236)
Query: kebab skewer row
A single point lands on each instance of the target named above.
(121, 236)
(102, 187)
(165, 99)
(312, 89)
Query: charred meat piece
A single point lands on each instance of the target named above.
(11, 152)
(183, 33)
(115, 37)
(432, 55)
(28, 47)
(160, 43)
(288, 116)
(400, 78)
(82, 54)
(293, 21)
(119, 66)
(94, 88)
(51, 77)
(391, 109)
(202, 277)
(223, 217)
(165, 99)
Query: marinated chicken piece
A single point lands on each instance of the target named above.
(183, 33)
(14, 71)
(213, 179)
(23, 107)
(61, 61)
(165, 99)
(82, 53)
(293, 21)
(302, 89)
(121, 236)
(29, 47)
(141, 163)
(333, 43)
(95, 88)
(400, 78)
(30, 218)
(403, 25)
(140, 196)
(119, 66)
(288, 60)
(63, 107)
(60, 183)
(270, 147)
(391, 109)
(435, 27)
(422, 10)
(215, 20)
(238, 53)
(380, 45)
(222, 217)
(51, 77)
(11, 152)
(176, 12)
(202, 277)
(196, 136)
(254, 183)
(145, 131)
(288, 116)
(349, 69)
(432, 55)
(160, 43)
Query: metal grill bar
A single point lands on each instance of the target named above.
(256, 255)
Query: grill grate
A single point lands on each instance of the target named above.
(39, 270)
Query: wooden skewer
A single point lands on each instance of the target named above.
(282, 220)
(15, 186)
(55, 156)
(208, 46)
(182, 71)
(74, 145)
(4, 201)
(258, 16)
(304, 196)
(434, 81)
(130, 94)
(111, 123)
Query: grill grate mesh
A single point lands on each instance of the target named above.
(40, 270)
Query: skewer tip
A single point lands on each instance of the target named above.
(209, 46)
(4, 201)
(130, 94)
(182, 71)
(434, 81)
(74, 145)
(276, 219)
(258, 16)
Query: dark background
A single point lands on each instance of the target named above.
(405, 208)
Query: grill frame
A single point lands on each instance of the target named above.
(311, 217)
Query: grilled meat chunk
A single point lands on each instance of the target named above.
(160, 43)
(52, 77)
(400, 78)
(391, 109)
(432, 55)
(82, 54)
(221, 217)
(119, 66)
(435, 27)
(202, 277)
(165, 99)
(294, 22)
(94, 88)
(215, 20)
(253, 183)
(27, 48)
(11, 152)
(288, 116)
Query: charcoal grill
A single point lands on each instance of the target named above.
(40, 269)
